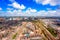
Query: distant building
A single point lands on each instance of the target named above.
(2, 20)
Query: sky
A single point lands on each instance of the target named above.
(30, 8)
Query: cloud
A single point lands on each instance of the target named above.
(14, 13)
(17, 5)
(9, 9)
(0, 9)
(49, 13)
(45, 2)
(30, 10)
(27, 12)
(17, 9)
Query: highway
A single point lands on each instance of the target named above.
(40, 25)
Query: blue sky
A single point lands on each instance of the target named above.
(29, 8)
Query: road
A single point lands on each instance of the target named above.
(40, 25)
(39, 28)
